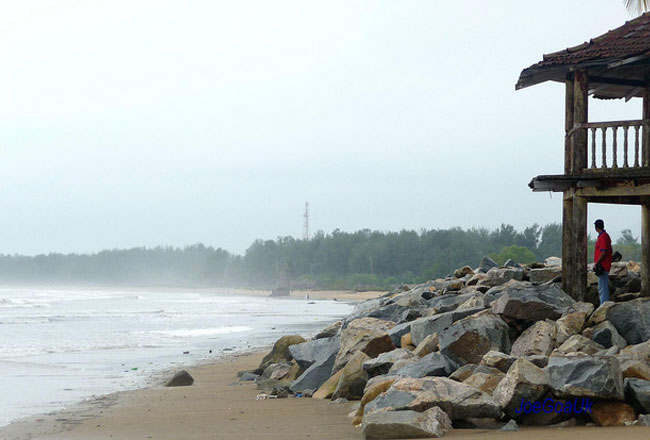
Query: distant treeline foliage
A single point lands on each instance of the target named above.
(362, 259)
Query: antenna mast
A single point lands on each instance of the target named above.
(305, 226)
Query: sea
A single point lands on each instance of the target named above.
(60, 346)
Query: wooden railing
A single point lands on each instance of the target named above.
(623, 139)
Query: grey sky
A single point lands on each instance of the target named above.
(129, 123)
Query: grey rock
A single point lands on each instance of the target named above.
(511, 426)
(533, 303)
(540, 360)
(524, 381)
(631, 319)
(637, 393)
(606, 335)
(458, 400)
(308, 353)
(389, 424)
(468, 370)
(498, 360)
(470, 338)
(382, 363)
(644, 420)
(538, 339)
(330, 331)
(449, 301)
(579, 344)
(487, 263)
(248, 377)
(433, 364)
(423, 327)
(364, 334)
(316, 375)
(395, 313)
(585, 376)
(512, 263)
(541, 276)
(181, 379)
(498, 276)
(276, 371)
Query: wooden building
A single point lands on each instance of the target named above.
(604, 162)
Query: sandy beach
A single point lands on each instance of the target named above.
(217, 406)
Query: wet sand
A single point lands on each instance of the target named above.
(219, 407)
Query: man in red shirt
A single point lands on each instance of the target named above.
(602, 260)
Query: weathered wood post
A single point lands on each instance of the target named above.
(579, 148)
(645, 248)
(567, 199)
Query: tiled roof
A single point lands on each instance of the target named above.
(630, 40)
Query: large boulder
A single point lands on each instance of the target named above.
(612, 413)
(367, 335)
(635, 368)
(320, 370)
(398, 331)
(606, 335)
(430, 344)
(280, 351)
(396, 313)
(468, 370)
(539, 338)
(467, 340)
(353, 378)
(449, 301)
(637, 392)
(524, 382)
(374, 388)
(458, 400)
(181, 379)
(631, 319)
(307, 353)
(497, 276)
(485, 382)
(585, 376)
(433, 364)
(533, 303)
(541, 276)
(487, 263)
(498, 360)
(388, 424)
(382, 363)
(423, 327)
(569, 325)
(579, 344)
(328, 387)
(600, 314)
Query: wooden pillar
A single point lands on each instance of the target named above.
(580, 116)
(568, 125)
(567, 199)
(567, 242)
(579, 280)
(645, 141)
(645, 248)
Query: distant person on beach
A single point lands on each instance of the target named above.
(602, 260)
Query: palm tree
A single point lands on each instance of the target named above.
(637, 6)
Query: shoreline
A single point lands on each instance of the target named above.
(336, 295)
(218, 406)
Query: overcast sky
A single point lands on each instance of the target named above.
(131, 123)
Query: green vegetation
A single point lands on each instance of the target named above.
(364, 259)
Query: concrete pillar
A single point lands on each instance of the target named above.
(580, 115)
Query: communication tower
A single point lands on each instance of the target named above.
(305, 225)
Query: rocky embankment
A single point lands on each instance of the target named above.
(492, 347)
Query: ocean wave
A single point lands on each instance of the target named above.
(193, 332)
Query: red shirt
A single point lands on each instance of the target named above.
(604, 244)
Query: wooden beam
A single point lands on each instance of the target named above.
(617, 81)
(645, 249)
(580, 116)
(567, 242)
(579, 249)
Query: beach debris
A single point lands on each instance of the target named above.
(387, 424)
(264, 396)
(181, 379)
(186, 352)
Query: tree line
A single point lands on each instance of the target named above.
(361, 259)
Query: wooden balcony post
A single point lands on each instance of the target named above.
(645, 247)
(568, 125)
(580, 116)
(645, 142)
(579, 281)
